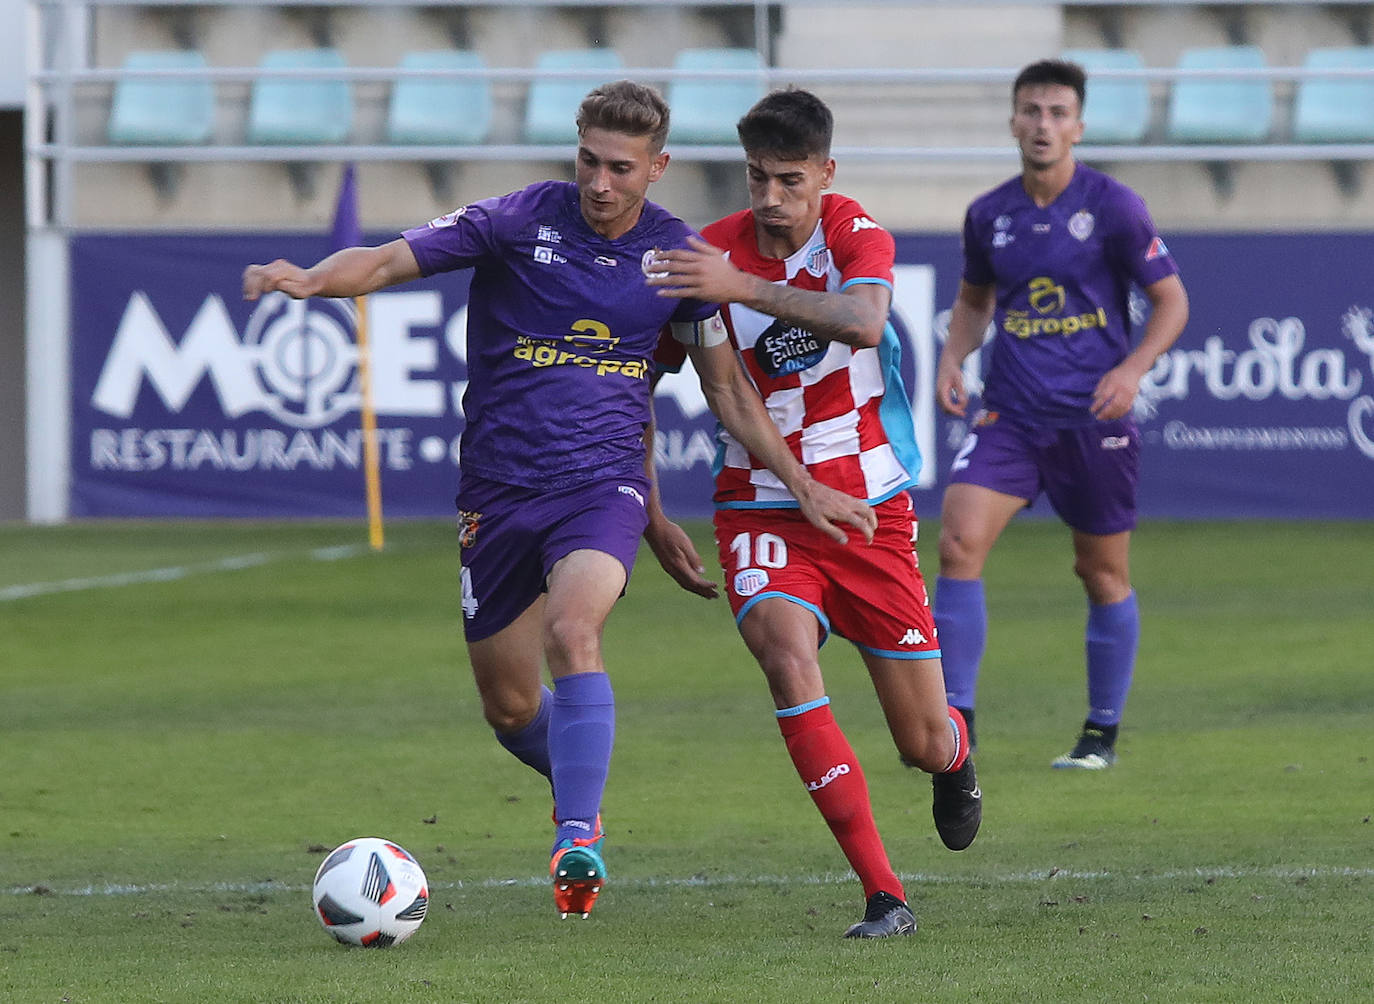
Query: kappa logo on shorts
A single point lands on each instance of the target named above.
(468, 524)
(1115, 442)
(913, 637)
(749, 581)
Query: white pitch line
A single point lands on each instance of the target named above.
(728, 881)
(233, 563)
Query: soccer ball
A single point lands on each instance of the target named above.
(370, 892)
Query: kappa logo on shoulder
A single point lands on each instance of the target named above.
(863, 223)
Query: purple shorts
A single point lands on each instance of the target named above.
(509, 538)
(1088, 473)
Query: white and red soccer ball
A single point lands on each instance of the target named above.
(370, 892)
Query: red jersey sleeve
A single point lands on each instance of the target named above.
(862, 248)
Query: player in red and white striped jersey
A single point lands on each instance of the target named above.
(805, 283)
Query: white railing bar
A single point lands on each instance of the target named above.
(538, 152)
(854, 75)
(695, 3)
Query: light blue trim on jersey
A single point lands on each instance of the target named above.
(862, 281)
(802, 709)
(820, 614)
(885, 654)
(895, 411)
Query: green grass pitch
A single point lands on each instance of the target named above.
(191, 713)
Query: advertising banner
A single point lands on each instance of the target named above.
(188, 401)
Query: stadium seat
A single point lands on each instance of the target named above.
(300, 111)
(1333, 109)
(1337, 110)
(441, 110)
(1217, 110)
(162, 112)
(706, 110)
(1114, 111)
(552, 107)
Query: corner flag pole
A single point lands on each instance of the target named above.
(347, 232)
(372, 473)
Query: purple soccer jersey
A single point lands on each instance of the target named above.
(561, 333)
(1063, 276)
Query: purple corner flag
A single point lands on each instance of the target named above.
(347, 231)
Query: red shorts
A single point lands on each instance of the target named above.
(872, 594)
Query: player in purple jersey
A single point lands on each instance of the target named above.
(553, 476)
(1049, 260)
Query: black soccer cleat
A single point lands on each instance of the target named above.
(884, 917)
(1093, 751)
(957, 806)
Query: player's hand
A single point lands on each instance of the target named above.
(949, 390)
(280, 274)
(700, 271)
(679, 558)
(1115, 393)
(825, 508)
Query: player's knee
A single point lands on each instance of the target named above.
(571, 644)
(930, 748)
(960, 556)
(507, 712)
(1103, 582)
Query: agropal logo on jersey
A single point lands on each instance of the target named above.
(294, 364)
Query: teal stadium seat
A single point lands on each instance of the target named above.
(1221, 110)
(300, 111)
(706, 110)
(1332, 109)
(443, 110)
(551, 110)
(162, 112)
(1114, 111)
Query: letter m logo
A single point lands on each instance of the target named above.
(143, 348)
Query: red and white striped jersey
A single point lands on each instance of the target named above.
(844, 411)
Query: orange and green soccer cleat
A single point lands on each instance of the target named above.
(578, 874)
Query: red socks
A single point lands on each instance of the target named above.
(961, 742)
(831, 772)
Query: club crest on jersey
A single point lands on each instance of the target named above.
(749, 581)
(647, 260)
(1081, 224)
(786, 348)
(818, 261)
(468, 524)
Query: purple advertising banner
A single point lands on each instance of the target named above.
(189, 401)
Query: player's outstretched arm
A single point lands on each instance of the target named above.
(350, 272)
(855, 317)
(737, 404)
(968, 321)
(1116, 392)
(669, 542)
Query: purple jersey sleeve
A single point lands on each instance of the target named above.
(977, 269)
(1135, 244)
(460, 239)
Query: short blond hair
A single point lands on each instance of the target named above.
(626, 107)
